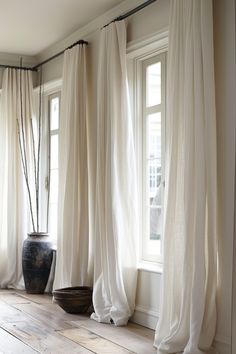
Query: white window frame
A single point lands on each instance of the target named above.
(160, 108)
(48, 89)
(138, 54)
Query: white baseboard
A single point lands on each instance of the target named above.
(149, 319)
(222, 344)
(221, 348)
(145, 317)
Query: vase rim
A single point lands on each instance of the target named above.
(40, 233)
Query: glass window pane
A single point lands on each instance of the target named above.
(155, 223)
(153, 84)
(154, 231)
(154, 183)
(54, 113)
(154, 136)
(54, 186)
(54, 151)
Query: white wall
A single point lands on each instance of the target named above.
(150, 20)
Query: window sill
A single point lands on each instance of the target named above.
(150, 267)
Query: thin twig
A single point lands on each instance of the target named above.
(39, 147)
(26, 177)
(34, 162)
(22, 126)
(49, 166)
(33, 146)
(21, 133)
(20, 144)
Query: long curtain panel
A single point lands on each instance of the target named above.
(188, 311)
(13, 198)
(116, 201)
(73, 265)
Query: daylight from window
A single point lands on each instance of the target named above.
(153, 184)
(154, 181)
(153, 85)
(54, 105)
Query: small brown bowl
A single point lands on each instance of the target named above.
(75, 299)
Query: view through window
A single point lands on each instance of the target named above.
(54, 114)
(153, 133)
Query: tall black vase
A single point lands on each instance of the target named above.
(36, 262)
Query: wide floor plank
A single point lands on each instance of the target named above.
(31, 324)
(53, 308)
(38, 299)
(39, 312)
(13, 298)
(133, 337)
(10, 345)
(43, 339)
(93, 342)
(10, 314)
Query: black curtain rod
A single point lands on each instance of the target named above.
(81, 41)
(131, 12)
(119, 18)
(16, 67)
(35, 68)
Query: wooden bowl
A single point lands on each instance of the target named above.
(74, 299)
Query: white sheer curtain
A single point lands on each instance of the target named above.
(73, 265)
(115, 225)
(188, 311)
(13, 197)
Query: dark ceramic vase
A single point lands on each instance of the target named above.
(36, 262)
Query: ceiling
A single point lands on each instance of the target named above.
(28, 27)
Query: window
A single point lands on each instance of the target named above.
(153, 109)
(150, 145)
(54, 114)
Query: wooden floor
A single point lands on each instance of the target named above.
(33, 324)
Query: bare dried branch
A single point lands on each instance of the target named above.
(49, 169)
(39, 147)
(26, 176)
